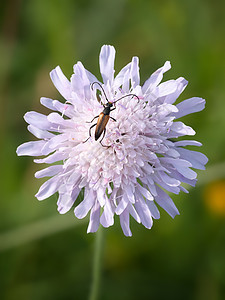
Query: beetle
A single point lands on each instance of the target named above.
(104, 116)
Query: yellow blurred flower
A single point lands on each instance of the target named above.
(214, 197)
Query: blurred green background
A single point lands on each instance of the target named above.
(47, 256)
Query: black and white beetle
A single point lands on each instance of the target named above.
(104, 116)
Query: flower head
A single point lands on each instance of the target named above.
(129, 170)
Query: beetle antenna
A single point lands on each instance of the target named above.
(133, 95)
(101, 89)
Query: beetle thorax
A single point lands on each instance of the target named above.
(107, 108)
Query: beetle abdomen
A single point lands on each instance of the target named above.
(101, 124)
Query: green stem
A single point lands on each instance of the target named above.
(97, 266)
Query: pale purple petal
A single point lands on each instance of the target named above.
(87, 76)
(48, 172)
(83, 208)
(101, 196)
(186, 172)
(125, 223)
(123, 202)
(39, 133)
(106, 61)
(107, 216)
(175, 162)
(184, 190)
(179, 129)
(31, 148)
(155, 78)
(169, 188)
(55, 118)
(153, 209)
(143, 212)
(122, 76)
(135, 77)
(129, 190)
(173, 153)
(56, 156)
(67, 198)
(181, 178)
(61, 82)
(164, 110)
(144, 192)
(165, 88)
(74, 178)
(197, 159)
(38, 120)
(94, 218)
(182, 166)
(75, 192)
(190, 106)
(187, 143)
(78, 86)
(81, 82)
(151, 187)
(132, 211)
(166, 203)
(65, 202)
(47, 102)
(126, 82)
(168, 180)
(65, 108)
(172, 97)
(57, 141)
(48, 188)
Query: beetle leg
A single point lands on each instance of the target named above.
(90, 132)
(103, 135)
(103, 138)
(92, 119)
(113, 119)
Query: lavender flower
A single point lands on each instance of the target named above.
(143, 159)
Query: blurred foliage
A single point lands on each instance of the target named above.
(177, 259)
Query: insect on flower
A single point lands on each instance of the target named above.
(145, 159)
(104, 116)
